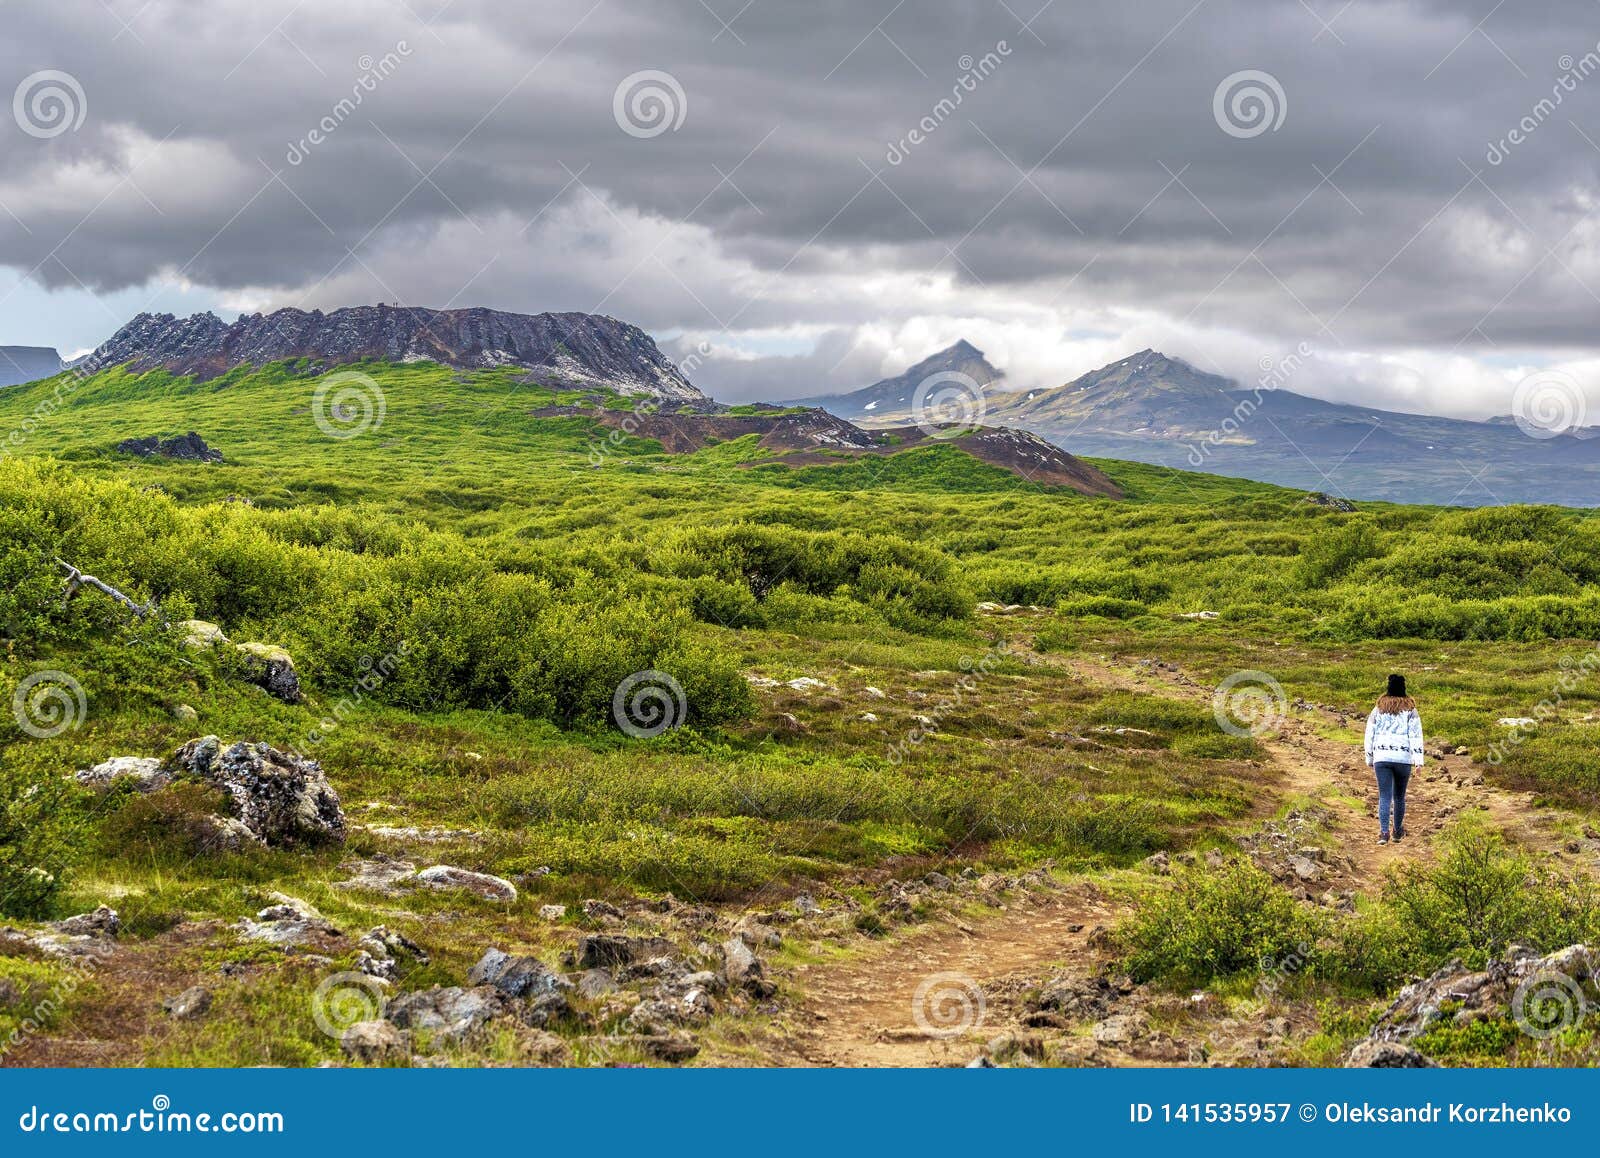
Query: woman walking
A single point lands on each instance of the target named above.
(1394, 748)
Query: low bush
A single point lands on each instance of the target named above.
(1482, 896)
(1478, 899)
(39, 826)
(169, 827)
(1214, 923)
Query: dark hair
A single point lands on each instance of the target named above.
(1394, 700)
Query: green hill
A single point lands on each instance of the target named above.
(507, 565)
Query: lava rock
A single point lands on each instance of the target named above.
(145, 773)
(1387, 1055)
(280, 799)
(188, 1005)
(609, 950)
(185, 447)
(271, 669)
(446, 1016)
(490, 888)
(103, 922)
(375, 1042)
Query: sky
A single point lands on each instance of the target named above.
(801, 197)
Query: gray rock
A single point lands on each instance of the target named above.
(281, 799)
(743, 969)
(228, 834)
(1491, 992)
(609, 950)
(519, 977)
(1305, 868)
(375, 1042)
(490, 888)
(389, 944)
(184, 447)
(1121, 1029)
(145, 773)
(271, 669)
(288, 931)
(381, 874)
(446, 1016)
(596, 983)
(603, 911)
(103, 922)
(188, 1005)
(1387, 1055)
(756, 933)
(199, 633)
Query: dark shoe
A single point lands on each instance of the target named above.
(1399, 835)
(1383, 838)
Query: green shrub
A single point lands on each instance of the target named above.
(1215, 923)
(39, 826)
(1482, 897)
(1105, 606)
(1333, 554)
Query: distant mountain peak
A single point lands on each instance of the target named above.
(20, 364)
(893, 397)
(581, 350)
(959, 357)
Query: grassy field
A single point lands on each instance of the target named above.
(518, 568)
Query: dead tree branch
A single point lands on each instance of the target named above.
(77, 579)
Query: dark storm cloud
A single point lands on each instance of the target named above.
(1085, 167)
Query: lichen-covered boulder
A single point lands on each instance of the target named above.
(145, 773)
(199, 633)
(445, 1016)
(271, 669)
(485, 885)
(282, 799)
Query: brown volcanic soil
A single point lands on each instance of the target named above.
(816, 438)
(1036, 460)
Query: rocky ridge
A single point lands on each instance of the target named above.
(564, 349)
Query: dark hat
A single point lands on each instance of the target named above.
(1397, 687)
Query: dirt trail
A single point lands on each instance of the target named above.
(876, 1010)
(879, 1010)
(1335, 772)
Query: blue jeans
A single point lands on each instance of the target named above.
(1392, 780)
